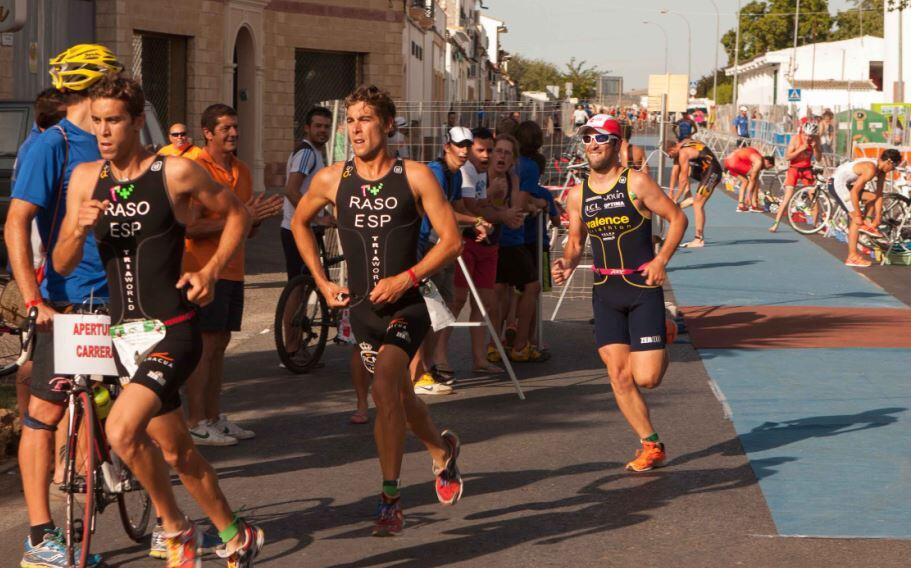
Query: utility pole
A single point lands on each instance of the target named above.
(717, 42)
(736, 55)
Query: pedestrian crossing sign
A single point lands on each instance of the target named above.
(793, 95)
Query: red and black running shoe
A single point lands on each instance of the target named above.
(448, 478)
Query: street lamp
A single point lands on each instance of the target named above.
(663, 31)
(717, 42)
(689, 41)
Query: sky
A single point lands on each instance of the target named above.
(610, 34)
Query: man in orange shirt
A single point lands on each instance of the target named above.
(224, 315)
(181, 143)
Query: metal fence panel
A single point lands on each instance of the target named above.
(160, 65)
(322, 76)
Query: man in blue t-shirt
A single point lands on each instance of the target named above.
(741, 125)
(447, 169)
(40, 194)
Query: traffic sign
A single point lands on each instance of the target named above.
(793, 95)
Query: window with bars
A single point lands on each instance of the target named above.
(160, 66)
(323, 76)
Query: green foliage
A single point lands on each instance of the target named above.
(769, 25)
(537, 74)
(584, 79)
(705, 83)
(725, 93)
(865, 17)
(533, 74)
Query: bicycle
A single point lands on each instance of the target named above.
(811, 210)
(17, 336)
(303, 318)
(94, 472)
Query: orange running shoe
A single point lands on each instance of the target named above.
(650, 456)
(185, 548)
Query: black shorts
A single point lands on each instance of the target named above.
(294, 264)
(43, 370)
(708, 179)
(536, 262)
(169, 365)
(629, 315)
(403, 324)
(515, 266)
(226, 311)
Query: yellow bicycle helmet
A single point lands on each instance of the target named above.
(80, 66)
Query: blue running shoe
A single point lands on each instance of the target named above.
(51, 552)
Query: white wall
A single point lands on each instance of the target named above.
(890, 66)
(847, 60)
(756, 87)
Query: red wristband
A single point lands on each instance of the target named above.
(33, 303)
(414, 278)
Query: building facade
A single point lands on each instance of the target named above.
(843, 74)
(270, 59)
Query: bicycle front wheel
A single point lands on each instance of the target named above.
(80, 478)
(134, 504)
(809, 210)
(896, 223)
(302, 321)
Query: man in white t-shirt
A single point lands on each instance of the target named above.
(580, 117)
(303, 163)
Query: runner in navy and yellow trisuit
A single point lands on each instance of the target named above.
(614, 206)
(693, 159)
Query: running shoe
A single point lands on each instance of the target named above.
(448, 478)
(858, 262)
(427, 385)
(492, 354)
(650, 456)
(741, 208)
(205, 435)
(159, 548)
(185, 548)
(390, 520)
(871, 231)
(697, 242)
(231, 429)
(528, 354)
(754, 209)
(254, 539)
(51, 552)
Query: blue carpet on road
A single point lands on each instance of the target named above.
(828, 431)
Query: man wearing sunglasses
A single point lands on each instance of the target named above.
(181, 143)
(849, 186)
(614, 207)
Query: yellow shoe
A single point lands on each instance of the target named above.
(427, 385)
(650, 456)
(493, 355)
(528, 354)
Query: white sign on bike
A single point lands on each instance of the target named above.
(82, 345)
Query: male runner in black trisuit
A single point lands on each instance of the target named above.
(137, 204)
(379, 202)
(614, 206)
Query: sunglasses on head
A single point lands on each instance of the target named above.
(462, 144)
(598, 138)
(177, 134)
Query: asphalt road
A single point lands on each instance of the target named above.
(545, 484)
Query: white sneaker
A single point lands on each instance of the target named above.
(205, 435)
(225, 426)
(427, 386)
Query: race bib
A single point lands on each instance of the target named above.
(440, 316)
(134, 341)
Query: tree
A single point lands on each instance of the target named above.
(705, 83)
(769, 25)
(865, 17)
(584, 79)
(533, 74)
